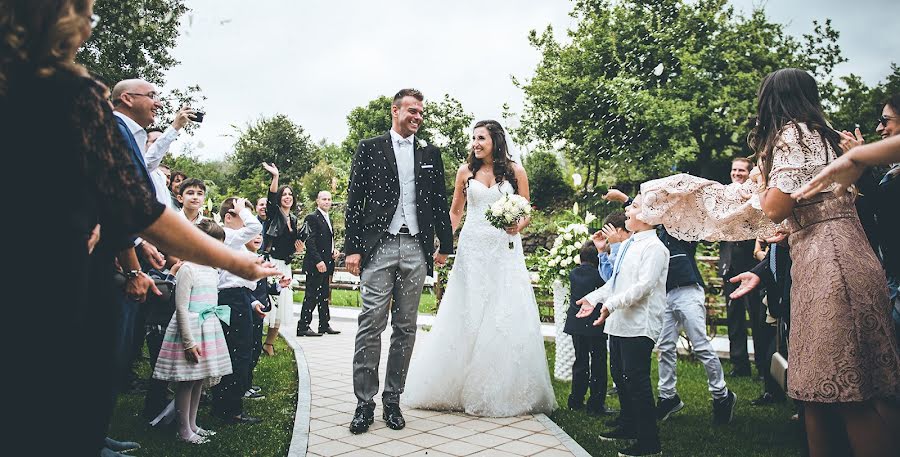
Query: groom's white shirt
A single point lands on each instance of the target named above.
(406, 207)
(636, 295)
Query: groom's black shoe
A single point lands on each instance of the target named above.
(393, 417)
(362, 419)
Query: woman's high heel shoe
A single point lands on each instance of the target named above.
(166, 416)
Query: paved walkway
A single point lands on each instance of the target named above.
(326, 404)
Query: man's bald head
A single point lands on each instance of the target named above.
(323, 200)
(137, 99)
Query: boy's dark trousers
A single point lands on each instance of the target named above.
(256, 350)
(630, 368)
(589, 370)
(229, 393)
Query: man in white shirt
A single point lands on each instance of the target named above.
(241, 226)
(633, 301)
(157, 147)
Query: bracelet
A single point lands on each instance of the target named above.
(132, 274)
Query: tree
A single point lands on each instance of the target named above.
(275, 140)
(545, 180)
(646, 88)
(856, 103)
(133, 39)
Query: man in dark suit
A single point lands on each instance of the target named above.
(735, 258)
(318, 265)
(396, 204)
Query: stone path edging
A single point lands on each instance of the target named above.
(300, 436)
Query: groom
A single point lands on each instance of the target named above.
(396, 203)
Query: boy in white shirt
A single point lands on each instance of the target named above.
(633, 302)
(241, 226)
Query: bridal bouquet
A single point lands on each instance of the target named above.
(507, 211)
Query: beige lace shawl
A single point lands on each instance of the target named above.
(693, 208)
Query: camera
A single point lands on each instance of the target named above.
(198, 116)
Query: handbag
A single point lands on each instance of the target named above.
(779, 365)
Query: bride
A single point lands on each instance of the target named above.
(485, 353)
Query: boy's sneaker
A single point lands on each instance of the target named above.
(618, 434)
(641, 449)
(251, 395)
(723, 409)
(665, 407)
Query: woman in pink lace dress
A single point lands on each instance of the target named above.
(844, 364)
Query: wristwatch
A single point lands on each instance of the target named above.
(131, 274)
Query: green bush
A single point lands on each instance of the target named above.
(545, 180)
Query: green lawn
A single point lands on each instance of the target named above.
(350, 298)
(755, 431)
(278, 378)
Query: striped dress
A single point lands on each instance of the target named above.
(195, 323)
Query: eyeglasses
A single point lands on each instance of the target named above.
(152, 95)
(95, 19)
(883, 120)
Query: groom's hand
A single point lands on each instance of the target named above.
(586, 308)
(604, 313)
(440, 259)
(352, 262)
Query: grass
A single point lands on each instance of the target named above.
(278, 378)
(755, 431)
(350, 298)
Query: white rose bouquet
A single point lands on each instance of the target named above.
(508, 211)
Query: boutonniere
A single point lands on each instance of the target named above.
(422, 143)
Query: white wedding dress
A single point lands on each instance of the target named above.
(484, 354)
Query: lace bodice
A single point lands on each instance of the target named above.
(476, 227)
(798, 157)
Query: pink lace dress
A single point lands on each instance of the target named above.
(842, 346)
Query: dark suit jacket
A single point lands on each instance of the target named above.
(137, 157)
(374, 193)
(583, 280)
(318, 244)
(778, 286)
(735, 257)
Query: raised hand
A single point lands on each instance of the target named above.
(239, 204)
(851, 140)
(748, 280)
(271, 168)
(182, 117)
(600, 240)
(612, 235)
(615, 195)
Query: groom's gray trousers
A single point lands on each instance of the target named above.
(396, 270)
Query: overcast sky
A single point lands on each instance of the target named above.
(316, 60)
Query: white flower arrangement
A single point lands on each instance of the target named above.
(507, 211)
(566, 247)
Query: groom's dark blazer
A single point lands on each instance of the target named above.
(374, 193)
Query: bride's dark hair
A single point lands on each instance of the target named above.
(502, 160)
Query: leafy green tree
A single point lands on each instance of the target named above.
(133, 39)
(645, 88)
(857, 103)
(546, 184)
(275, 140)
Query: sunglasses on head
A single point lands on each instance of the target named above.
(883, 120)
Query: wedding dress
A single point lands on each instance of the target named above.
(484, 354)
